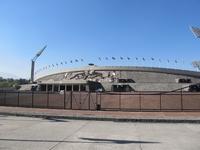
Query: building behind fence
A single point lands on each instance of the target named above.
(132, 101)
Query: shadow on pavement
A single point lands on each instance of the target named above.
(55, 119)
(87, 140)
(119, 141)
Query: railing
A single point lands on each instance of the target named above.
(120, 101)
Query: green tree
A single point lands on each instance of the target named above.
(6, 83)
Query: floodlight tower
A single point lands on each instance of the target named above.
(33, 62)
(196, 64)
(195, 31)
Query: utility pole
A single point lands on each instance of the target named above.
(33, 63)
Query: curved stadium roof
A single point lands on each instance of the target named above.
(126, 68)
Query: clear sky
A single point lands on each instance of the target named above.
(88, 29)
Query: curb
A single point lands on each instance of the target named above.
(141, 120)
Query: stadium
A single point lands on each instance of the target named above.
(126, 88)
(119, 79)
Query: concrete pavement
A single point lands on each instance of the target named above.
(22, 133)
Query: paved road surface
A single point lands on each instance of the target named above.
(26, 133)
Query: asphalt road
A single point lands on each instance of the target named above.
(26, 133)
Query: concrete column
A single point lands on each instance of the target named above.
(58, 87)
(52, 88)
(46, 87)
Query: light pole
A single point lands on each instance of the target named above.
(195, 31)
(196, 64)
(33, 63)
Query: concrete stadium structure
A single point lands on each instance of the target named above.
(123, 89)
(119, 78)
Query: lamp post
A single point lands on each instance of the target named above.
(195, 31)
(33, 63)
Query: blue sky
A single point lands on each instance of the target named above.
(88, 29)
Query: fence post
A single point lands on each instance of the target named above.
(80, 100)
(140, 101)
(181, 100)
(120, 101)
(5, 98)
(64, 99)
(18, 99)
(89, 100)
(32, 99)
(100, 100)
(71, 99)
(96, 99)
(47, 99)
(160, 102)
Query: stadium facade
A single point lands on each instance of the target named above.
(119, 79)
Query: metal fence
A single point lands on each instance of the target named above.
(121, 101)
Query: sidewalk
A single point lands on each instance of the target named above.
(165, 117)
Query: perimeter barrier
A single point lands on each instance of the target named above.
(119, 101)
